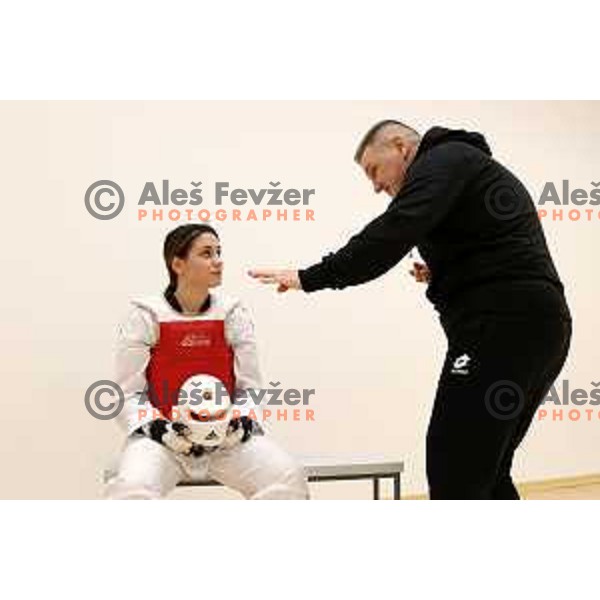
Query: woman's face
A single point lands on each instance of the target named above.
(203, 266)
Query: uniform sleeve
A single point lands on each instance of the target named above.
(433, 185)
(136, 335)
(241, 336)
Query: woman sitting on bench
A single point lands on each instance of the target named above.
(193, 331)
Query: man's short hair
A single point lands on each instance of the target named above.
(374, 133)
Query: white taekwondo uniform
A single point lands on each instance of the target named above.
(156, 343)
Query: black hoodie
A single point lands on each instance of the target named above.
(472, 220)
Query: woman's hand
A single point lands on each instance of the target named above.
(248, 426)
(172, 435)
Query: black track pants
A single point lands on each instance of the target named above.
(498, 368)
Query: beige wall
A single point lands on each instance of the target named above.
(372, 352)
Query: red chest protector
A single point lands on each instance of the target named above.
(186, 348)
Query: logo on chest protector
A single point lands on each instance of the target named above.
(195, 340)
(461, 365)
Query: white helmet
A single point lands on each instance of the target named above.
(206, 409)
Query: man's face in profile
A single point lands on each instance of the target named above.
(385, 165)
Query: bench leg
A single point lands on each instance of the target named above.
(375, 488)
(397, 487)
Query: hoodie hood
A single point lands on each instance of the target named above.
(441, 135)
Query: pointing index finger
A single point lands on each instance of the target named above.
(261, 273)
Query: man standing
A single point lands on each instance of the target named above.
(491, 278)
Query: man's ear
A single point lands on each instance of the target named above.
(400, 145)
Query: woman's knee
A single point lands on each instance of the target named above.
(146, 471)
(289, 485)
(132, 490)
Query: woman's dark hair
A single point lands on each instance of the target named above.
(177, 244)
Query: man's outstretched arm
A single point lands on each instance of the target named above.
(434, 184)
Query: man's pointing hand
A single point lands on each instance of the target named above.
(284, 279)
